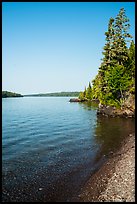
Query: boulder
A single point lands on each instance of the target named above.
(74, 100)
(114, 112)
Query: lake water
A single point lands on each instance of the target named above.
(50, 147)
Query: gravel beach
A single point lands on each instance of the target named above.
(115, 180)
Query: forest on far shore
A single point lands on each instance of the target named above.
(6, 94)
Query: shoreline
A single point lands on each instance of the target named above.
(115, 180)
(126, 111)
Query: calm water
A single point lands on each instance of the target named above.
(50, 147)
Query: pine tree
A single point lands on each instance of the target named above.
(85, 91)
(108, 60)
(89, 85)
(120, 51)
(131, 66)
(131, 59)
(116, 76)
(114, 79)
(89, 92)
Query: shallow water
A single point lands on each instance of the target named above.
(50, 147)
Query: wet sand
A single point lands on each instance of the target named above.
(115, 180)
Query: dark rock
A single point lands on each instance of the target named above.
(74, 100)
(113, 112)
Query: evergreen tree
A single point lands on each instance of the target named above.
(131, 59)
(84, 93)
(81, 96)
(130, 69)
(89, 92)
(108, 60)
(118, 82)
(97, 87)
(120, 51)
(89, 85)
(116, 76)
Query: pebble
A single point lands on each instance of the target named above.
(120, 186)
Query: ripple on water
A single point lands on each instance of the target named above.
(50, 145)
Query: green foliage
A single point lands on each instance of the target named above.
(84, 93)
(89, 92)
(118, 80)
(120, 51)
(116, 76)
(97, 87)
(81, 96)
(57, 94)
(131, 60)
(108, 60)
(6, 94)
(132, 90)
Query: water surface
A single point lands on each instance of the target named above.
(50, 147)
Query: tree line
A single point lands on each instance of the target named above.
(6, 94)
(57, 94)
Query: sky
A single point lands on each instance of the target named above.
(54, 46)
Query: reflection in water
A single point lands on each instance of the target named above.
(109, 133)
(89, 105)
(51, 147)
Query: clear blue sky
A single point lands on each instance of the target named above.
(51, 47)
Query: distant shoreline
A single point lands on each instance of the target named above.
(55, 94)
(12, 96)
(8, 94)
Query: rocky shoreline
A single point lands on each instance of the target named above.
(84, 100)
(115, 180)
(114, 112)
(127, 110)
